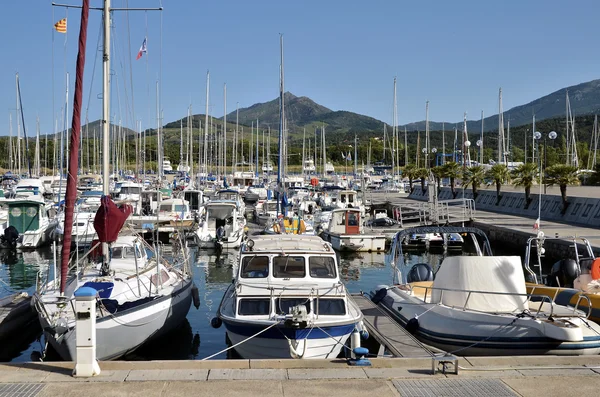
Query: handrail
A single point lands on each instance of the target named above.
(543, 298)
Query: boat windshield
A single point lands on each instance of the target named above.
(284, 305)
(125, 252)
(321, 267)
(331, 307)
(173, 208)
(131, 190)
(289, 267)
(255, 267)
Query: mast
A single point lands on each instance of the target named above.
(10, 148)
(105, 116)
(303, 150)
(71, 194)
(205, 169)
(225, 131)
(394, 128)
(443, 143)
(501, 151)
(280, 171)
(427, 149)
(405, 147)
(24, 129)
(18, 125)
(533, 142)
(257, 140)
(324, 150)
(481, 141)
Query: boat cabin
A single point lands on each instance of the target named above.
(27, 214)
(176, 208)
(243, 178)
(345, 221)
(195, 198)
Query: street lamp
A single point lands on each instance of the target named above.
(479, 143)
(552, 135)
(468, 159)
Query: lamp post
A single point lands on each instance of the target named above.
(424, 151)
(434, 157)
(479, 143)
(467, 160)
(552, 135)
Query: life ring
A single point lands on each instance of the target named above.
(596, 269)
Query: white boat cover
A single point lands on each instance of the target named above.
(481, 273)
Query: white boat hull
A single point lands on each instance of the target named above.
(356, 242)
(122, 333)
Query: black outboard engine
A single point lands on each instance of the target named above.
(220, 233)
(9, 238)
(563, 273)
(420, 272)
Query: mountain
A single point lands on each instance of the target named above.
(584, 98)
(95, 127)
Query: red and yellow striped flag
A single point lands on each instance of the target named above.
(61, 26)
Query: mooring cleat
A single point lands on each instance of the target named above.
(360, 360)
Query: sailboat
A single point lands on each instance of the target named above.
(138, 297)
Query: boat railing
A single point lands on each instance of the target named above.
(529, 297)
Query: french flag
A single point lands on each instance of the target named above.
(142, 49)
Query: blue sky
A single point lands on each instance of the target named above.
(342, 54)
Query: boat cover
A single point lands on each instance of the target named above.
(481, 273)
(110, 219)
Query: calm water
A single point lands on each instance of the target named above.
(196, 339)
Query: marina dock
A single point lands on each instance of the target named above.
(387, 332)
(480, 376)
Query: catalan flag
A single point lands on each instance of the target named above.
(61, 26)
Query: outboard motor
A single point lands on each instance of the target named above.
(563, 273)
(420, 272)
(9, 238)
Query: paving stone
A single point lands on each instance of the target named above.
(327, 373)
(554, 386)
(23, 376)
(488, 374)
(101, 389)
(247, 374)
(221, 388)
(167, 375)
(338, 388)
(105, 376)
(390, 373)
(453, 387)
(556, 372)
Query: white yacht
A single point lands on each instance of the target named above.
(309, 166)
(287, 300)
(166, 166)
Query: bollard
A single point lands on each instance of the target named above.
(86, 364)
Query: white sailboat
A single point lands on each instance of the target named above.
(137, 297)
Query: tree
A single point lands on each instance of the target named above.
(500, 175)
(473, 176)
(524, 176)
(409, 171)
(438, 173)
(423, 174)
(562, 175)
(453, 171)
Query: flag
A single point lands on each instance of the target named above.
(142, 49)
(61, 26)
(536, 225)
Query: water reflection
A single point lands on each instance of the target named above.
(212, 273)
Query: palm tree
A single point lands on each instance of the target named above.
(453, 171)
(438, 173)
(423, 174)
(562, 175)
(500, 175)
(408, 171)
(525, 175)
(473, 176)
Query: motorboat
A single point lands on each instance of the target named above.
(138, 297)
(223, 226)
(287, 300)
(309, 166)
(572, 279)
(166, 165)
(346, 232)
(479, 305)
(265, 211)
(255, 193)
(29, 218)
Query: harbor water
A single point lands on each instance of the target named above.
(195, 339)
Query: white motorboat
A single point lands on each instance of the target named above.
(223, 226)
(309, 166)
(287, 300)
(30, 219)
(479, 305)
(346, 232)
(265, 212)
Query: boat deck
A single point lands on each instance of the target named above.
(388, 332)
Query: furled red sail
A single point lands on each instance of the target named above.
(110, 219)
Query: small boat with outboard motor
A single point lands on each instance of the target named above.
(479, 305)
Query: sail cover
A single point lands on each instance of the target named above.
(110, 219)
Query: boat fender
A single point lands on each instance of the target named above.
(596, 269)
(379, 295)
(412, 326)
(215, 322)
(195, 296)
(364, 334)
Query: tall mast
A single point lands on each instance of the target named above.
(18, 125)
(427, 149)
(568, 140)
(533, 142)
(281, 121)
(10, 148)
(395, 126)
(235, 140)
(324, 150)
(257, 140)
(303, 150)
(225, 130)
(443, 143)
(501, 151)
(106, 109)
(405, 147)
(205, 170)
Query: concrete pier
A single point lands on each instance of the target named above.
(478, 376)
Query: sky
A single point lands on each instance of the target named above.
(343, 54)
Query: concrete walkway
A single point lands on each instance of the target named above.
(497, 376)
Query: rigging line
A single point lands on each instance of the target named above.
(120, 63)
(129, 59)
(53, 88)
(93, 71)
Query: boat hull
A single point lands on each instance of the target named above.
(357, 243)
(569, 296)
(307, 343)
(119, 334)
(453, 331)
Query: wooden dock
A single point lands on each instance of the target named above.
(390, 335)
